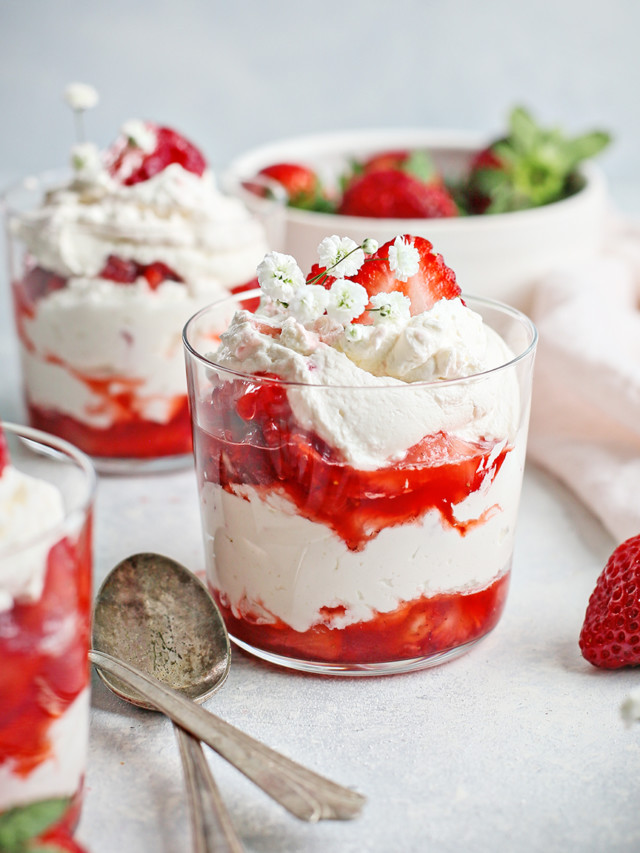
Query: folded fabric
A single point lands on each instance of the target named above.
(585, 421)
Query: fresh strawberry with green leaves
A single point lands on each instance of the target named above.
(137, 156)
(610, 635)
(529, 167)
(433, 281)
(302, 185)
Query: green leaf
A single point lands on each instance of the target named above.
(420, 165)
(586, 146)
(523, 129)
(19, 825)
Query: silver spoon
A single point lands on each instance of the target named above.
(139, 616)
(148, 626)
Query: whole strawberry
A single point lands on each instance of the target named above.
(610, 636)
(302, 185)
(395, 194)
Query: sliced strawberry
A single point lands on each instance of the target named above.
(119, 269)
(124, 271)
(317, 276)
(610, 635)
(129, 164)
(433, 281)
(392, 194)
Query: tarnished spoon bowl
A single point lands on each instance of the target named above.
(154, 613)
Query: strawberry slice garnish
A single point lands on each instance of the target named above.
(394, 194)
(129, 163)
(433, 281)
(610, 635)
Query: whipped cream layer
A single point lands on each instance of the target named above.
(268, 561)
(29, 508)
(175, 217)
(126, 335)
(387, 389)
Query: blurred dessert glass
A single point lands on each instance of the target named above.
(46, 500)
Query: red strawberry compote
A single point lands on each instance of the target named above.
(107, 268)
(45, 604)
(360, 444)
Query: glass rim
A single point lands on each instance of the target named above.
(82, 461)
(507, 310)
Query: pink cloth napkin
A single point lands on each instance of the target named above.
(585, 422)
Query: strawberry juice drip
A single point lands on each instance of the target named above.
(43, 649)
(253, 439)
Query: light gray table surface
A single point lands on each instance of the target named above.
(516, 746)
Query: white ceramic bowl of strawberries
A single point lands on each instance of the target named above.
(500, 255)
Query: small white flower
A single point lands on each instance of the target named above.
(347, 300)
(81, 96)
(404, 259)
(86, 161)
(309, 303)
(280, 277)
(390, 306)
(354, 332)
(341, 255)
(369, 246)
(139, 135)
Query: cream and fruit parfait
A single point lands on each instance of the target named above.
(46, 495)
(360, 442)
(107, 268)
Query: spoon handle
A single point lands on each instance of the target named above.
(304, 793)
(211, 827)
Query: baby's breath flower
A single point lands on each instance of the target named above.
(309, 303)
(390, 306)
(139, 135)
(404, 259)
(347, 300)
(630, 707)
(342, 255)
(85, 160)
(354, 332)
(81, 96)
(369, 246)
(280, 277)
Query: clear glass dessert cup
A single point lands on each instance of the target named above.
(107, 373)
(324, 567)
(44, 640)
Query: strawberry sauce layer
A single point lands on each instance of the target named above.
(43, 650)
(132, 437)
(417, 629)
(252, 439)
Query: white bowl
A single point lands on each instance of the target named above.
(499, 256)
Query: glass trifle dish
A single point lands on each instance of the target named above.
(359, 438)
(107, 264)
(46, 500)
